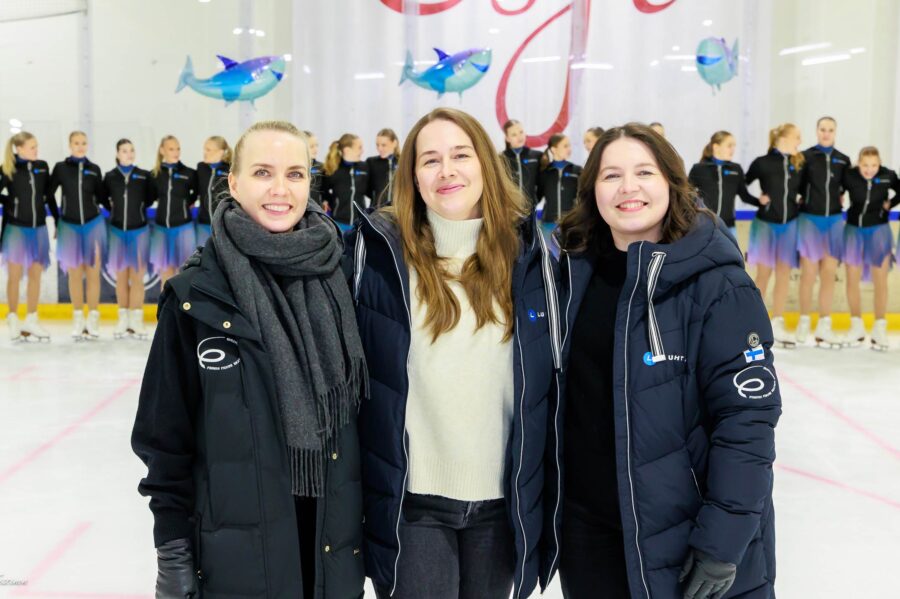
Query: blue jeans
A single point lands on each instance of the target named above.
(452, 549)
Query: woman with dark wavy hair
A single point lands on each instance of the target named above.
(670, 394)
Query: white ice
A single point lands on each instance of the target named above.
(73, 525)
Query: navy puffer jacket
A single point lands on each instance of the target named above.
(380, 280)
(696, 402)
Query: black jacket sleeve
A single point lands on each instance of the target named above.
(102, 192)
(744, 193)
(741, 395)
(752, 175)
(895, 185)
(164, 433)
(50, 198)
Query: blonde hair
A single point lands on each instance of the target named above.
(389, 133)
(75, 134)
(9, 157)
(158, 166)
(869, 151)
(333, 159)
(222, 144)
(783, 130)
(281, 126)
(486, 276)
(717, 138)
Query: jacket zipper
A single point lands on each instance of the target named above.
(719, 208)
(390, 186)
(80, 192)
(637, 528)
(866, 205)
(786, 176)
(169, 198)
(828, 186)
(405, 445)
(209, 186)
(519, 165)
(559, 194)
(125, 215)
(352, 192)
(33, 197)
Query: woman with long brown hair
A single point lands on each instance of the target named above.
(670, 394)
(458, 314)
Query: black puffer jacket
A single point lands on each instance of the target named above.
(208, 428)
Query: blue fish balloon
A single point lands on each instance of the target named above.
(455, 73)
(245, 81)
(716, 63)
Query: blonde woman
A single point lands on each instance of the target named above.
(173, 237)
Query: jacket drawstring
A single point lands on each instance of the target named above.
(657, 351)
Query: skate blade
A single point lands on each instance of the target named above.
(880, 348)
(786, 344)
(829, 344)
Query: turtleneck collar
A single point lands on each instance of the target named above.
(560, 164)
(75, 160)
(454, 238)
(20, 160)
(518, 150)
(717, 161)
(824, 149)
(169, 164)
(215, 164)
(346, 162)
(125, 170)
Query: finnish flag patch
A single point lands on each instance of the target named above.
(755, 354)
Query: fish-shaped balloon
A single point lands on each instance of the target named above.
(455, 73)
(245, 81)
(716, 63)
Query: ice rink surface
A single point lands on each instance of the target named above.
(73, 525)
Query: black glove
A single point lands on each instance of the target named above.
(707, 577)
(175, 578)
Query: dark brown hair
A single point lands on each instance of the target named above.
(554, 141)
(583, 225)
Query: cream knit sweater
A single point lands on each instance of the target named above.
(460, 405)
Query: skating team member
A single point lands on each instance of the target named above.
(820, 229)
(523, 162)
(868, 240)
(247, 413)
(131, 191)
(558, 181)
(658, 127)
(718, 179)
(212, 175)
(25, 242)
(315, 169)
(173, 237)
(456, 303)
(773, 233)
(383, 166)
(590, 138)
(346, 179)
(81, 239)
(671, 396)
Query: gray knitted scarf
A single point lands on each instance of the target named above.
(291, 288)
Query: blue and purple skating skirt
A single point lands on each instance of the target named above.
(867, 246)
(820, 236)
(76, 245)
(26, 246)
(203, 233)
(171, 246)
(771, 243)
(128, 249)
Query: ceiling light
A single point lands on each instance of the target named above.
(824, 59)
(805, 48)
